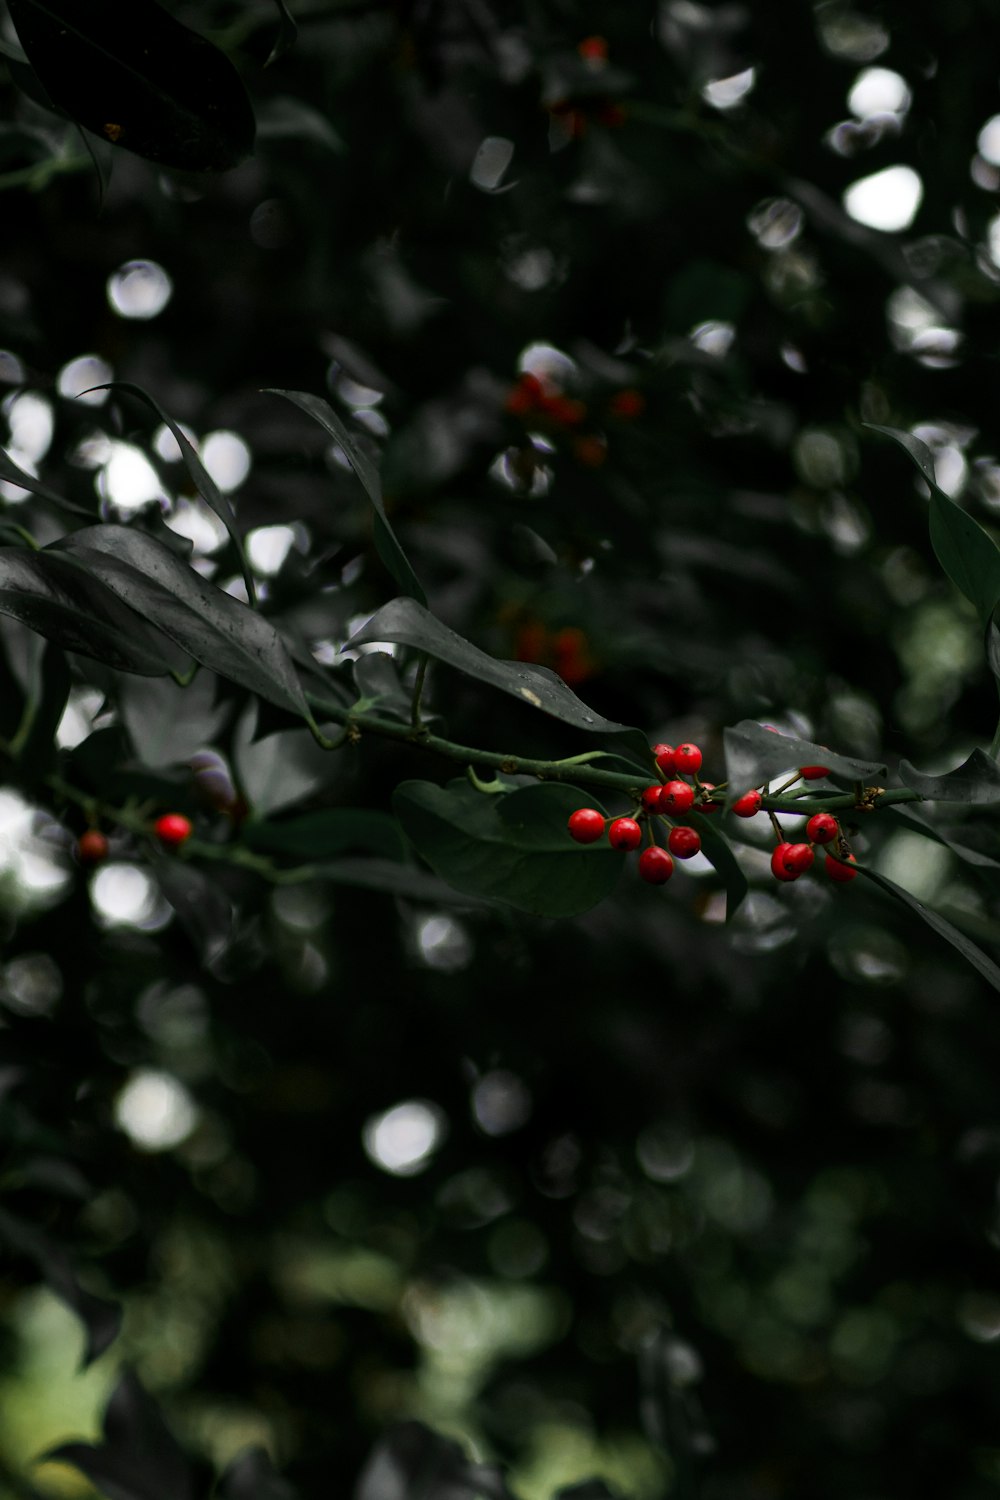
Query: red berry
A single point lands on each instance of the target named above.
(813, 773)
(173, 829)
(651, 797)
(624, 833)
(708, 806)
(799, 857)
(92, 847)
(586, 825)
(687, 758)
(779, 865)
(840, 871)
(822, 828)
(590, 451)
(564, 410)
(664, 755)
(675, 797)
(684, 842)
(655, 865)
(593, 48)
(627, 404)
(747, 806)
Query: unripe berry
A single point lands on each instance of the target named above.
(687, 758)
(655, 865)
(675, 797)
(779, 863)
(813, 773)
(840, 871)
(586, 825)
(92, 847)
(747, 806)
(822, 828)
(664, 757)
(651, 797)
(684, 843)
(172, 829)
(624, 833)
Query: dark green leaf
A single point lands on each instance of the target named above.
(139, 1458)
(976, 780)
(200, 477)
(251, 1476)
(386, 541)
(287, 119)
(972, 857)
(168, 723)
(203, 909)
(134, 75)
(513, 848)
(287, 33)
(65, 603)
(755, 755)
(983, 965)
(395, 879)
(379, 686)
(407, 622)
(993, 643)
(35, 743)
(719, 852)
(216, 629)
(328, 832)
(14, 475)
(101, 1318)
(966, 552)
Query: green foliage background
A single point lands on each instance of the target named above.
(714, 1208)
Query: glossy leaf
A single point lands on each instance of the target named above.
(976, 780)
(966, 552)
(212, 626)
(984, 966)
(719, 853)
(513, 848)
(389, 547)
(407, 622)
(755, 755)
(135, 76)
(328, 831)
(70, 606)
(199, 475)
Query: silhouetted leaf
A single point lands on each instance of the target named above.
(976, 780)
(982, 862)
(719, 852)
(203, 909)
(327, 832)
(395, 879)
(512, 847)
(35, 743)
(407, 622)
(983, 965)
(412, 1463)
(755, 755)
(137, 77)
(285, 119)
(100, 1318)
(386, 541)
(139, 1458)
(10, 471)
(251, 1476)
(287, 34)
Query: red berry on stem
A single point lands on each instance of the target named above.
(747, 806)
(779, 865)
(586, 825)
(651, 797)
(172, 829)
(675, 796)
(822, 828)
(813, 773)
(664, 755)
(684, 842)
(799, 857)
(841, 870)
(708, 806)
(655, 865)
(92, 847)
(624, 833)
(687, 758)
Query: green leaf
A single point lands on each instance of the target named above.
(974, 857)
(719, 853)
(377, 679)
(966, 552)
(167, 723)
(386, 541)
(212, 626)
(407, 622)
(101, 1319)
(513, 848)
(755, 755)
(134, 75)
(199, 475)
(983, 965)
(328, 832)
(287, 34)
(976, 780)
(57, 599)
(286, 119)
(14, 475)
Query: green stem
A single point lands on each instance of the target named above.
(418, 690)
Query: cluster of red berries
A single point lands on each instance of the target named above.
(658, 801)
(548, 406)
(573, 114)
(674, 795)
(172, 830)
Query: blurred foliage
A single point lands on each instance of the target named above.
(698, 1209)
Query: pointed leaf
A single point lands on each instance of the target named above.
(719, 853)
(407, 622)
(386, 541)
(976, 780)
(212, 626)
(65, 603)
(10, 471)
(966, 552)
(983, 965)
(199, 475)
(755, 755)
(979, 861)
(513, 848)
(139, 1458)
(137, 77)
